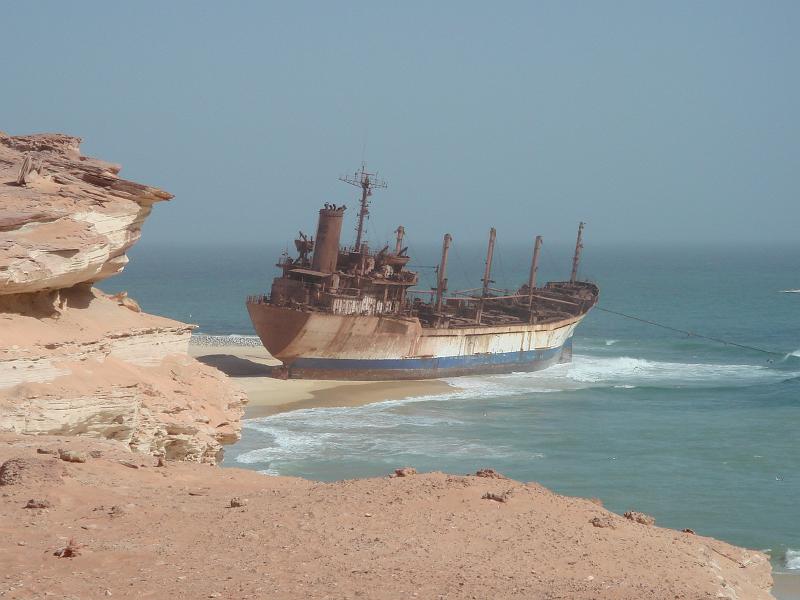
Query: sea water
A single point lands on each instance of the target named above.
(695, 433)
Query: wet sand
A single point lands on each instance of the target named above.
(786, 586)
(252, 369)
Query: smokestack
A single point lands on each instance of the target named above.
(326, 245)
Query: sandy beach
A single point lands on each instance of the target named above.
(252, 367)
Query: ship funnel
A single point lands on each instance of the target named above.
(326, 246)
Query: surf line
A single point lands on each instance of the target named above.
(692, 333)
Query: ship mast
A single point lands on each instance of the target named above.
(401, 232)
(367, 182)
(487, 273)
(441, 279)
(537, 246)
(577, 257)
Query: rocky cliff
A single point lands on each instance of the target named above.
(73, 360)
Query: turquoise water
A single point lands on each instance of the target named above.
(697, 434)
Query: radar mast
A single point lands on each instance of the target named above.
(367, 182)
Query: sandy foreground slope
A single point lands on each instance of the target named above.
(143, 531)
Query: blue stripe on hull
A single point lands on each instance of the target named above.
(427, 368)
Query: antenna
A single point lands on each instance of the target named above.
(367, 182)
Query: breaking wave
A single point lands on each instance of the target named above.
(234, 339)
(343, 436)
(792, 559)
(441, 427)
(626, 370)
(621, 372)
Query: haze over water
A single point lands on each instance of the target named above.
(697, 434)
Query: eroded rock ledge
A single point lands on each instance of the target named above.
(72, 360)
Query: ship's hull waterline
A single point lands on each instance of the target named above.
(319, 345)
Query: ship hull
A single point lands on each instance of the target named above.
(428, 368)
(316, 345)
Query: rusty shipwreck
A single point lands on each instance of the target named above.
(350, 313)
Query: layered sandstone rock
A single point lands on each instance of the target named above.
(72, 360)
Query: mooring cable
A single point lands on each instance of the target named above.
(691, 333)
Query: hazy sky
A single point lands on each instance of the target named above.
(649, 120)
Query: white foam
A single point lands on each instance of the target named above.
(395, 429)
(378, 430)
(625, 370)
(611, 342)
(233, 339)
(610, 372)
(792, 559)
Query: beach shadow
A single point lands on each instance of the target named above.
(234, 366)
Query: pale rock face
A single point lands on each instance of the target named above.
(70, 223)
(74, 361)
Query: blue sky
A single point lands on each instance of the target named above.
(655, 122)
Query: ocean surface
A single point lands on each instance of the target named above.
(695, 433)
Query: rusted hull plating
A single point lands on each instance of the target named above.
(428, 368)
(317, 345)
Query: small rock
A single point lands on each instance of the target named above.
(367, 514)
(71, 550)
(20, 543)
(602, 521)
(405, 471)
(39, 504)
(16, 471)
(96, 454)
(238, 502)
(72, 455)
(490, 473)
(687, 530)
(638, 517)
(496, 497)
(130, 465)
(46, 451)
(131, 304)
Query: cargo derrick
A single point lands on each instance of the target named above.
(529, 304)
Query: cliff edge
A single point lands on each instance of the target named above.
(136, 530)
(73, 360)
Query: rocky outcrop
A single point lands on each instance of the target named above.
(72, 218)
(73, 360)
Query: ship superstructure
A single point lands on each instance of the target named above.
(350, 312)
